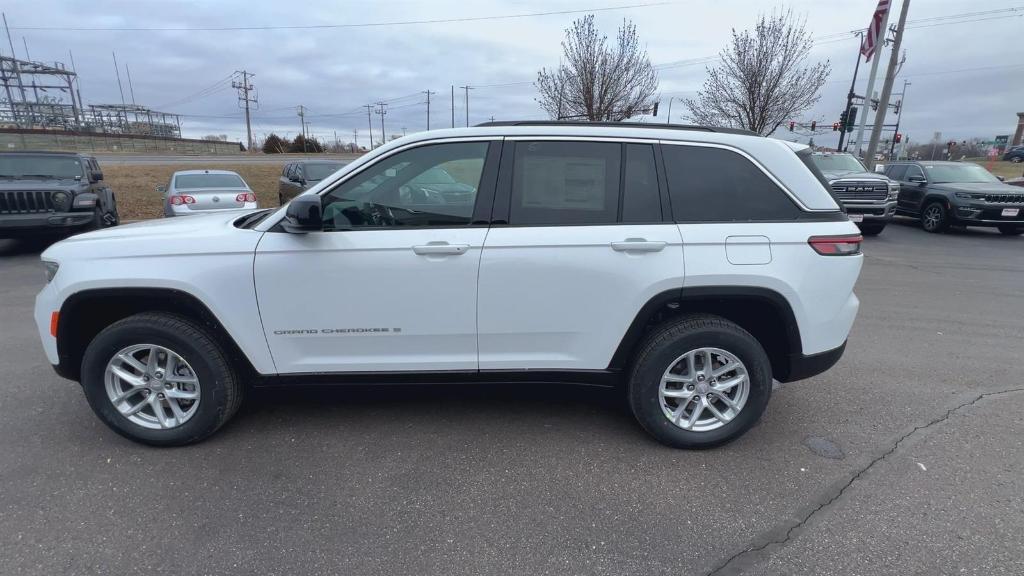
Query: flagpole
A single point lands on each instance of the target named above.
(880, 47)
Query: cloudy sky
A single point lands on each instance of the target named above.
(966, 74)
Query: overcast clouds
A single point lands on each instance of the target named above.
(968, 79)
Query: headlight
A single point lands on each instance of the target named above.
(894, 191)
(969, 196)
(51, 269)
(60, 200)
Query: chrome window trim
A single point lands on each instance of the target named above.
(796, 200)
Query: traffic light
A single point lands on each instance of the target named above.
(851, 120)
(791, 125)
(899, 137)
(842, 117)
(835, 126)
(814, 124)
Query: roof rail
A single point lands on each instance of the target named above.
(650, 125)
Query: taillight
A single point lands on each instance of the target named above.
(836, 245)
(245, 197)
(179, 199)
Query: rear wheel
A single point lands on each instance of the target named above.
(699, 381)
(1011, 230)
(871, 229)
(160, 379)
(934, 217)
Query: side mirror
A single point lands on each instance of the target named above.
(161, 189)
(917, 180)
(95, 176)
(297, 179)
(303, 214)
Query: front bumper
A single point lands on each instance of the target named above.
(873, 212)
(975, 214)
(43, 221)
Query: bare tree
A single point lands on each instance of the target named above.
(763, 79)
(597, 82)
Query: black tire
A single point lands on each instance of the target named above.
(669, 342)
(220, 388)
(1017, 159)
(871, 229)
(934, 217)
(1011, 230)
(280, 200)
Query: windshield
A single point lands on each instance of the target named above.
(187, 181)
(22, 165)
(837, 163)
(958, 174)
(320, 171)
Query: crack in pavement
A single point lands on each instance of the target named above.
(839, 493)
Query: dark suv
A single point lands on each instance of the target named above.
(297, 177)
(942, 194)
(1014, 154)
(52, 193)
(869, 197)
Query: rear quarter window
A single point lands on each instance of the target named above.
(717, 185)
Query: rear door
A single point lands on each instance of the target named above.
(570, 259)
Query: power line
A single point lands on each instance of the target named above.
(335, 26)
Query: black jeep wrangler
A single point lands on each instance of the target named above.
(53, 193)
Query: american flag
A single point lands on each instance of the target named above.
(867, 47)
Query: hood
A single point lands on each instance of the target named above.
(983, 187)
(854, 175)
(203, 233)
(40, 184)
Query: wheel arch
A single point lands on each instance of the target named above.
(84, 314)
(763, 312)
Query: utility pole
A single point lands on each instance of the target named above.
(428, 93)
(117, 71)
(453, 105)
(355, 139)
(245, 98)
(668, 116)
(467, 88)
(131, 89)
(883, 31)
(382, 110)
(850, 94)
(899, 116)
(369, 122)
(301, 110)
(890, 77)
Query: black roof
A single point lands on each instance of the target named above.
(618, 125)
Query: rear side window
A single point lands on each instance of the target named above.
(717, 185)
(641, 201)
(565, 183)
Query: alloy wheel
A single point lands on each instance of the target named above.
(704, 389)
(152, 386)
(932, 217)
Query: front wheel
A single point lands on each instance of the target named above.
(160, 379)
(1011, 230)
(699, 381)
(934, 217)
(871, 229)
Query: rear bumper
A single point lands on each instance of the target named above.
(879, 212)
(805, 366)
(43, 222)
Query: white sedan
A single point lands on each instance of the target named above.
(202, 191)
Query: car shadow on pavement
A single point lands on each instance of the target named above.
(24, 246)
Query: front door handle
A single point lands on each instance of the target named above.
(440, 249)
(638, 245)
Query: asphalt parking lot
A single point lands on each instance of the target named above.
(906, 458)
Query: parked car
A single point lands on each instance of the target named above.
(297, 177)
(689, 265)
(200, 191)
(1014, 154)
(869, 197)
(53, 193)
(944, 194)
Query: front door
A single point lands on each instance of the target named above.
(390, 284)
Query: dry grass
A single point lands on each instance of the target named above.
(1007, 170)
(135, 186)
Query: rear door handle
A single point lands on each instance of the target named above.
(440, 249)
(638, 245)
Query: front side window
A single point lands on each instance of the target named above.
(394, 192)
(897, 171)
(565, 183)
(717, 185)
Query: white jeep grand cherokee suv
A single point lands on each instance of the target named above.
(691, 265)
